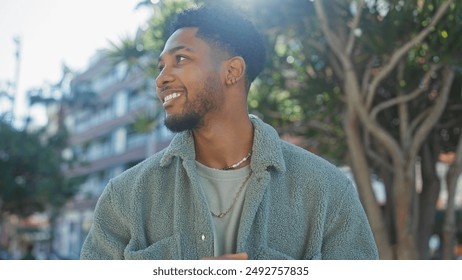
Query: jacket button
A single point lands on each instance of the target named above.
(203, 237)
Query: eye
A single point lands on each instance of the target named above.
(160, 67)
(179, 58)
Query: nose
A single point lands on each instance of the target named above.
(164, 78)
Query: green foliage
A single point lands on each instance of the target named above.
(30, 171)
(385, 31)
(128, 51)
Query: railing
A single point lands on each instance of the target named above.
(97, 119)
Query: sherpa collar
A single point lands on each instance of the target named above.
(266, 147)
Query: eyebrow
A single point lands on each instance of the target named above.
(175, 49)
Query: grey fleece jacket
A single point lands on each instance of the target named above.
(297, 206)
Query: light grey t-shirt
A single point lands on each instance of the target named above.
(220, 188)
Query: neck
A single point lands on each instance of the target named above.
(223, 143)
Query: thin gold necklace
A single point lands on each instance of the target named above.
(237, 164)
(222, 214)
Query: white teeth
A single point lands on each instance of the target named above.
(171, 96)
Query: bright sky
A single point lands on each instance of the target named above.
(53, 32)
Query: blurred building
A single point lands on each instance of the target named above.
(108, 105)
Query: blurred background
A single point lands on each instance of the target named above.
(373, 86)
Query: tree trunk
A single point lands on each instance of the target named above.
(360, 171)
(427, 200)
(403, 188)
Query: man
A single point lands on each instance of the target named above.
(226, 187)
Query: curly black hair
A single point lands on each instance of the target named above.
(230, 30)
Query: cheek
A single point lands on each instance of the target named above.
(194, 75)
(195, 82)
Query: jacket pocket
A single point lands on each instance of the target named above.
(164, 249)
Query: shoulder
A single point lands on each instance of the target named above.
(301, 161)
(314, 176)
(298, 164)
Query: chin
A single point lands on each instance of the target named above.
(189, 121)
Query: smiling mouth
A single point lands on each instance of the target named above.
(170, 97)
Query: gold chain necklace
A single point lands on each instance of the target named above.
(237, 164)
(222, 214)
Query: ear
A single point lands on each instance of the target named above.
(235, 70)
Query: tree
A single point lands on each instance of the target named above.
(403, 144)
(30, 171)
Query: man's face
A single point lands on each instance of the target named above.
(188, 84)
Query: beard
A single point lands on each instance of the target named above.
(194, 111)
(187, 121)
